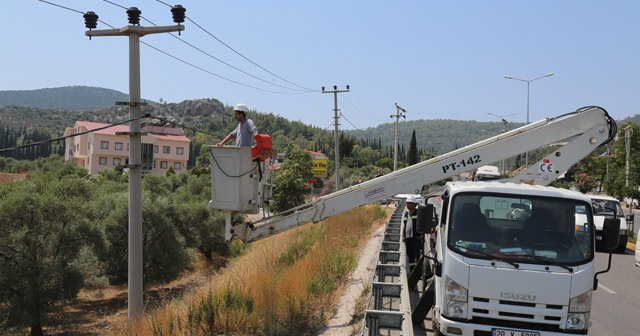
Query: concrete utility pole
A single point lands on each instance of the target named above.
(395, 147)
(335, 92)
(135, 31)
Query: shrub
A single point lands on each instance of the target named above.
(585, 183)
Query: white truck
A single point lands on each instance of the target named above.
(497, 273)
(603, 207)
(240, 184)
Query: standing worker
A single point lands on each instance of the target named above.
(246, 129)
(410, 235)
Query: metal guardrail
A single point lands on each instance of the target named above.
(389, 310)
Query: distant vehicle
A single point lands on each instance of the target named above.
(607, 206)
(487, 173)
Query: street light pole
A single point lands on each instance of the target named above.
(504, 129)
(528, 81)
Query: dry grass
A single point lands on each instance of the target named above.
(262, 292)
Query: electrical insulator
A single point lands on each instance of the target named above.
(177, 12)
(134, 15)
(90, 20)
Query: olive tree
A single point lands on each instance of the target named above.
(291, 181)
(43, 233)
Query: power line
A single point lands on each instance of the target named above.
(68, 136)
(363, 114)
(182, 125)
(239, 54)
(350, 123)
(175, 57)
(211, 73)
(208, 54)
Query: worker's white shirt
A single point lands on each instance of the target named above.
(408, 228)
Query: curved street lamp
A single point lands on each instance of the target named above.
(528, 81)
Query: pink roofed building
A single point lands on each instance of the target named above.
(101, 147)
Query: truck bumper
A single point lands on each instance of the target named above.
(448, 327)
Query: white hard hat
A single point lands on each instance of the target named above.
(242, 108)
(413, 199)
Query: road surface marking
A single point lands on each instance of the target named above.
(607, 289)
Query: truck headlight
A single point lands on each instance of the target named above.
(455, 299)
(579, 308)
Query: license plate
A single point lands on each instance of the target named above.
(508, 332)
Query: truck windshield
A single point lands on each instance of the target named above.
(604, 207)
(539, 230)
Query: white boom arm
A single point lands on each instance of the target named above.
(582, 130)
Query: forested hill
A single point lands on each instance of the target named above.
(72, 98)
(443, 135)
(55, 109)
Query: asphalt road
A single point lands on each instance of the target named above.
(615, 310)
(616, 303)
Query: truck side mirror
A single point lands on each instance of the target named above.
(426, 219)
(611, 233)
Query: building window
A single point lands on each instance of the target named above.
(155, 148)
(102, 161)
(118, 146)
(180, 150)
(163, 164)
(177, 165)
(127, 146)
(104, 144)
(166, 150)
(116, 161)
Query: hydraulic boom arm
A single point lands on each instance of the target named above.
(582, 131)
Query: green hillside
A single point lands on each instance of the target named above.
(55, 109)
(73, 98)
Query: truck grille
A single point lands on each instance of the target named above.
(517, 314)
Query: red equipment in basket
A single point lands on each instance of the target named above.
(262, 150)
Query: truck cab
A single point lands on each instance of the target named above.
(512, 259)
(606, 207)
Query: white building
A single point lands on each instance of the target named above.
(162, 147)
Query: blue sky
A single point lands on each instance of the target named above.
(436, 59)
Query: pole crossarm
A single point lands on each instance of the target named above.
(137, 30)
